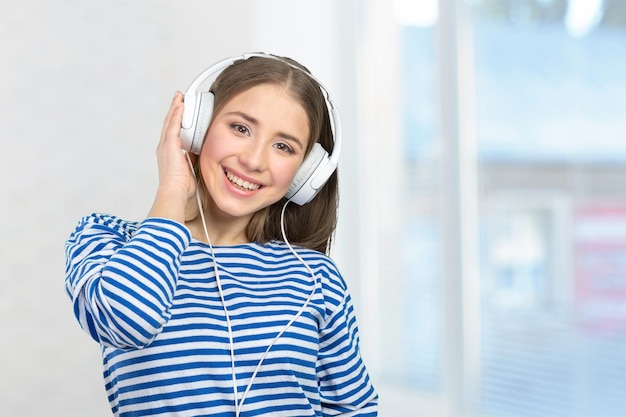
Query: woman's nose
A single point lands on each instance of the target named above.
(254, 156)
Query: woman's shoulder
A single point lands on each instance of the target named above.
(278, 248)
(110, 222)
(275, 252)
(107, 228)
(105, 221)
(322, 264)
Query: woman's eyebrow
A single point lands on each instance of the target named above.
(246, 116)
(255, 122)
(291, 139)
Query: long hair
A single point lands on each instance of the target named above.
(313, 224)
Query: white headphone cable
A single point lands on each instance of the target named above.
(219, 287)
(239, 402)
(294, 318)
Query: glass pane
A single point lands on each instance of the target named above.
(551, 94)
(421, 335)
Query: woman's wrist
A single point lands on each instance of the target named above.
(170, 203)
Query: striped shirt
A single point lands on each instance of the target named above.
(147, 293)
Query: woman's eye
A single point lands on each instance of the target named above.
(241, 129)
(284, 147)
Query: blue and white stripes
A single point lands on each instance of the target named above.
(147, 293)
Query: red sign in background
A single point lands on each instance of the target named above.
(599, 266)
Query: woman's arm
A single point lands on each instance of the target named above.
(344, 382)
(121, 277)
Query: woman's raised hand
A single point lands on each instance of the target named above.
(176, 181)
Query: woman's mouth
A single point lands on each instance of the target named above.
(241, 183)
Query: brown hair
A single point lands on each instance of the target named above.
(313, 224)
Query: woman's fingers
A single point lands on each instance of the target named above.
(176, 180)
(174, 117)
(173, 166)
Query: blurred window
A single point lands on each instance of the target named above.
(548, 83)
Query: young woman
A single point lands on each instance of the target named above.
(223, 302)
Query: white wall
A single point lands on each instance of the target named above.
(85, 87)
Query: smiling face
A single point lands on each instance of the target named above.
(252, 151)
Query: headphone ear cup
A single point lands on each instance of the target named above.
(205, 112)
(301, 190)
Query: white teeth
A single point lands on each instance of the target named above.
(241, 183)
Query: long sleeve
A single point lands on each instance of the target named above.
(121, 277)
(345, 387)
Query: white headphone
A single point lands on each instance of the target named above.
(315, 170)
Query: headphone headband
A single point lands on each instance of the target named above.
(314, 172)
